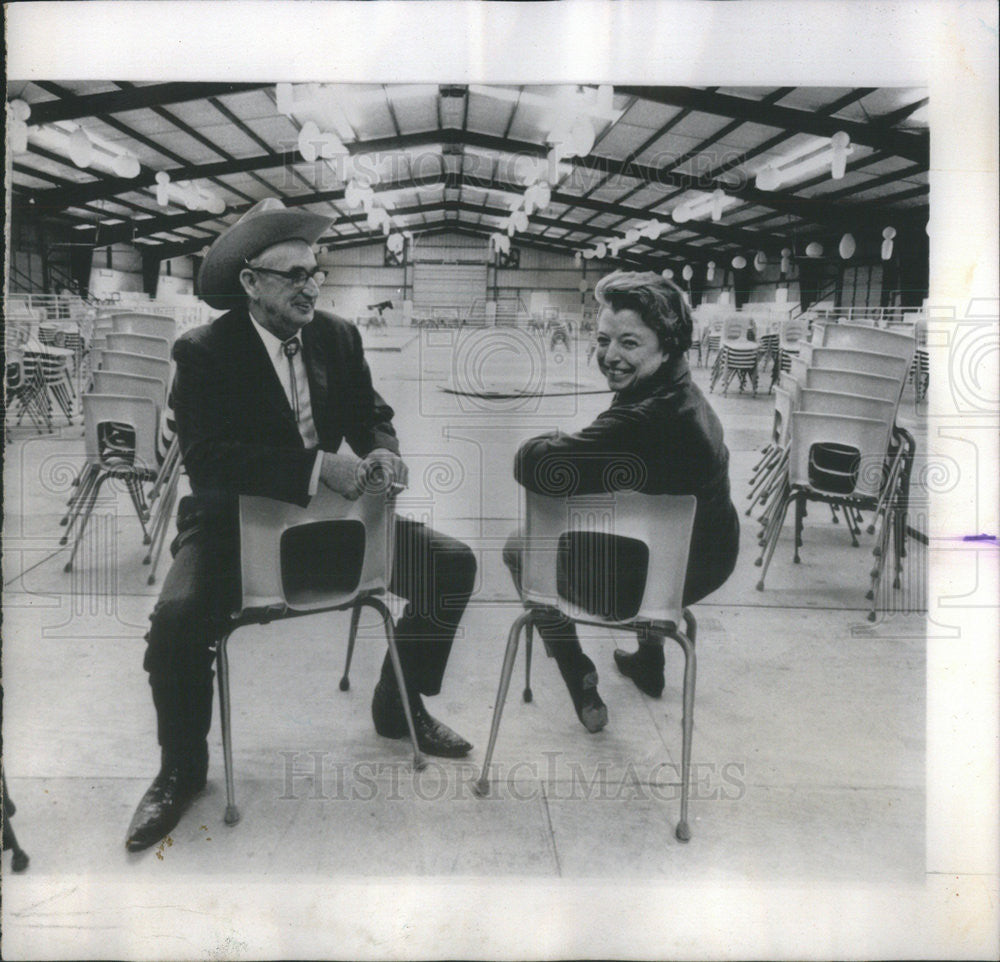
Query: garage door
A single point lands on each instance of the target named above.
(448, 285)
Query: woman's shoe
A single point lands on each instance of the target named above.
(644, 667)
(590, 709)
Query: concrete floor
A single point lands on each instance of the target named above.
(809, 744)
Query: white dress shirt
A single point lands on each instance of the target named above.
(307, 425)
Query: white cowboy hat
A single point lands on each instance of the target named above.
(267, 223)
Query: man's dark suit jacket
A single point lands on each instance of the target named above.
(237, 431)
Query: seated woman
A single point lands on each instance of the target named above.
(660, 422)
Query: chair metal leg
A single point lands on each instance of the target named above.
(225, 715)
(772, 543)
(528, 640)
(482, 786)
(345, 681)
(397, 666)
(84, 519)
(683, 831)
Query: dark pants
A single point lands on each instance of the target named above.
(433, 572)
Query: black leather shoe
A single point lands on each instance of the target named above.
(433, 737)
(590, 708)
(161, 808)
(644, 667)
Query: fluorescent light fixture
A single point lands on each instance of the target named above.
(806, 160)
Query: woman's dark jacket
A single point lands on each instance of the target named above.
(661, 437)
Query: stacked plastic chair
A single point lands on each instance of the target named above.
(835, 440)
(737, 356)
(129, 435)
(792, 333)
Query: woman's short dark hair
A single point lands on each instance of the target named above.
(660, 303)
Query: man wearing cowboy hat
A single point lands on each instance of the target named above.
(263, 397)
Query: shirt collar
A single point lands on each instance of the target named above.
(272, 344)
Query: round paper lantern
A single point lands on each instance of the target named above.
(577, 258)
(739, 262)
(632, 236)
(394, 242)
(710, 271)
(589, 254)
(814, 249)
(529, 205)
(681, 215)
(688, 272)
(543, 195)
(847, 247)
(760, 261)
(768, 178)
(125, 165)
(309, 135)
(20, 109)
(602, 251)
(81, 150)
(889, 233)
(519, 219)
(583, 287)
(667, 274)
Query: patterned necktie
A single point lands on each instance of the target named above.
(291, 348)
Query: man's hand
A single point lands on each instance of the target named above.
(342, 473)
(384, 470)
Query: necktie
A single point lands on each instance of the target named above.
(291, 348)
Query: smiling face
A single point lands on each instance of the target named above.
(628, 352)
(278, 304)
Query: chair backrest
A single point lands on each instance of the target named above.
(792, 331)
(155, 325)
(127, 363)
(120, 431)
(852, 382)
(865, 362)
(130, 385)
(321, 556)
(145, 344)
(735, 328)
(856, 337)
(851, 405)
(602, 540)
(836, 454)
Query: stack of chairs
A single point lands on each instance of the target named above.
(768, 336)
(737, 355)
(128, 430)
(792, 332)
(835, 439)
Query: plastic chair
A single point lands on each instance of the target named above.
(569, 565)
(855, 337)
(792, 332)
(120, 442)
(333, 555)
(852, 382)
(154, 325)
(128, 363)
(145, 344)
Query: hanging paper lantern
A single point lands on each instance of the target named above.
(543, 195)
(847, 247)
(786, 259)
(309, 136)
(162, 189)
(578, 258)
(21, 110)
(125, 165)
(667, 273)
(768, 178)
(888, 235)
(589, 254)
(739, 262)
(602, 251)
(520, 220)
(529, 205)
(681, 214)
(840, 147)
(688, 272)
(81, 150)
(583, 286)
(710, 271)
(632, 236)
(814, 249)
(718, 199)
(394, 242)
(760, 261)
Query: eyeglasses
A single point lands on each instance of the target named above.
(297, 276)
